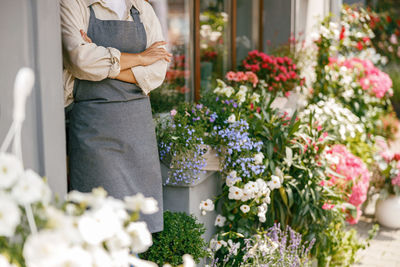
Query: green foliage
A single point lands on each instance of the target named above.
(362, 149)
(342, 246)
(394, 72)
(181, 235)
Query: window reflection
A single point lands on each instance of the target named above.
(177, 85)
(214, 41)
(247, 31)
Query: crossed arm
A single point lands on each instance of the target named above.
(128, 60)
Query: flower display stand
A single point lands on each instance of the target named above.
(187, 197)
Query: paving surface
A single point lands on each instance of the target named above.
(384, 249)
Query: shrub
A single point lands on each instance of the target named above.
(182, 235)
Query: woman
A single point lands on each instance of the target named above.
(113, 57)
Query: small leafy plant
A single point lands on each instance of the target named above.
(182, 235)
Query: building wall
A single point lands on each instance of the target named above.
(285, 18)
(30, 33)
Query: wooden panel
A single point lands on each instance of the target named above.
(197, 62)
(261, 26)
(233, 19)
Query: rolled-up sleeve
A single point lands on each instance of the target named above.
(152, 76)
(85, 61)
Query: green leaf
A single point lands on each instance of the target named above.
(284, 196)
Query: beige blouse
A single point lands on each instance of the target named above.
(88, 61)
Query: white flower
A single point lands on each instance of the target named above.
(140, 203)
(220, 221)
(243, 88)
(232, 118)
(206, 205)
(31, 188)
(241, 96)
(262, 210)
(274, 183)
(258, 158)
(136, 262)
(235, 193)
(246, 196)
(4, 262)
(100, 256)
(251, 188)
(98, 225)
(140, 235)
(75, 256)
(57, 220)
(10, 170)
(245, 208)
(9, 216)
(228, 91)
(217, 244)
(255, 98)
(233, 247)
(233, 174)
(45, 248)
(262, 188)
(95, 198)
(188, 261)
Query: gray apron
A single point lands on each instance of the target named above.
(112, 140)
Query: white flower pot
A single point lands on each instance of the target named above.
(388, 212)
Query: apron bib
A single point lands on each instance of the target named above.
(112, 142)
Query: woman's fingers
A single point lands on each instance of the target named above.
(85, 37)
(158, 44)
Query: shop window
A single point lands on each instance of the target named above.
(247, 28)
(215, 41)
(176, 15)
(200, 34)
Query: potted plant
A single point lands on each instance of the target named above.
(388, 206)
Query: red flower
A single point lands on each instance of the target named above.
(342, 32)
(396, 156)
(360, 46)
(388, 19)
(366, 40)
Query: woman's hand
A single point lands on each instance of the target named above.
(154, 53)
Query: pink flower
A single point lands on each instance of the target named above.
(396, 180)
(173, 112)
(373, 80)
(354, 177)
(231, 76)
(327, 206)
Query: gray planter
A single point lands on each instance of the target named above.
(187, 198)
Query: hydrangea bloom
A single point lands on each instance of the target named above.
(353, 179)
